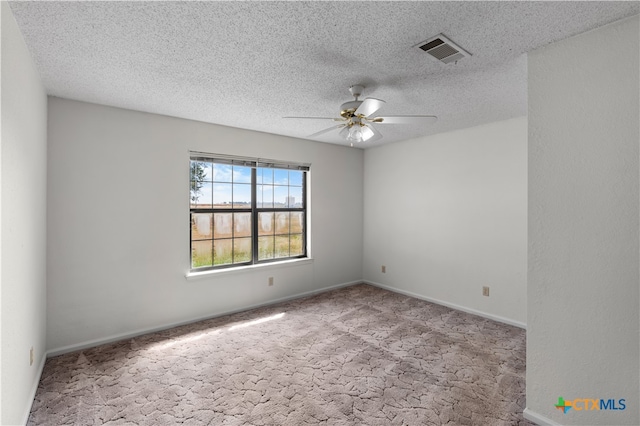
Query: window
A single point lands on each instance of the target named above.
(246, 211)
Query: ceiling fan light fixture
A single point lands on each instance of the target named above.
(356, 134)
(367, 133)
(359, 132)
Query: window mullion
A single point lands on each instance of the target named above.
(233, 221)
(254, 216)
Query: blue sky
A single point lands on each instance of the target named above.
(274, 185)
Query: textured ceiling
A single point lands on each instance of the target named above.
(248, 64)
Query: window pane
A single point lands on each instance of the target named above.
(280, 194)
(201, 171)
(282, 246)
(222, 252)
(265, 223)
(223, 225)
(201, 253)
(265, 248)
(242, 195)
(222, 173)
(282, 222)
(222, 195)
(296, 222)
(201, 226)
(242, 224)
(241, 250)
(267, 196)
(259, 196)
(281, 177)
(295, 196)
(267, 175)
(200, 195)
(295, 178)
(241, 174)
(296, 245)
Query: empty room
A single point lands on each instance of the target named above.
(341, 213)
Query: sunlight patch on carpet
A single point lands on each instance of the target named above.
(257, 321)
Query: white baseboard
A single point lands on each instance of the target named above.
(140, 332)
(450, 305)
(34, 388)
(538, 418)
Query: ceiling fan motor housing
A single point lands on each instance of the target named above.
(348, 108)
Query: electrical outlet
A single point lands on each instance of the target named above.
(485, 291)
(31, 356)
(384, 269)
(270, 281)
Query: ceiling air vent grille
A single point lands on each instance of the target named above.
(443, 49)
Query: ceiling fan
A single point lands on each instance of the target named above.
(356, 119)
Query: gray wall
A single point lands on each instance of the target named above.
(23, 172)
(447, 215)
(118, 241)
(583, 298)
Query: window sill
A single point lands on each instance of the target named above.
(249, 268)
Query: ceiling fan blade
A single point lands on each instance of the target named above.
(321, 132)
(369, 106)
(405, 119)
(344, 132)
(319, 118)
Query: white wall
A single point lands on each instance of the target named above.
(118, 240)
(23, 186)
(583, 280)
(447, 215)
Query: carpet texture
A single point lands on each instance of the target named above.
(354, 356)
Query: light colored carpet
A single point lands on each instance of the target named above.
(354, 356)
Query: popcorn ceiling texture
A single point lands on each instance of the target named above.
(360, 355)
(248, 64)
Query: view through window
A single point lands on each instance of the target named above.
(246, 211)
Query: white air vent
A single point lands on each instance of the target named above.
(443, 49)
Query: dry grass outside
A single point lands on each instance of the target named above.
(229, 251)
(225, 238)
